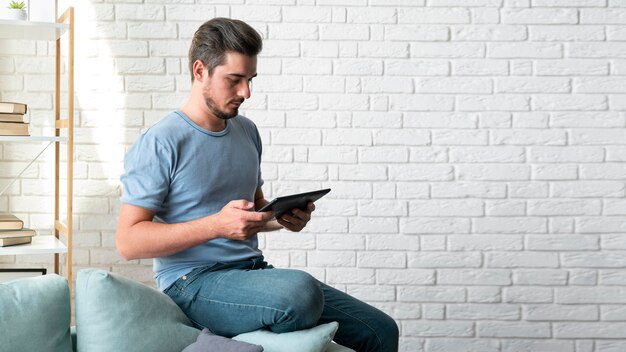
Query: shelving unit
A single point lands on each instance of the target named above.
(11, 29)
(33, 139)
(40, 245)
(63, 134)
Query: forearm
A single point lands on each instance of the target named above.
(139, 237)
(147, 239)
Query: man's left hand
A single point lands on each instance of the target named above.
(298, 218)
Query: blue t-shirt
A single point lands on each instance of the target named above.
(184, 172)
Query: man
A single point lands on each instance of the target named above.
(191, 184)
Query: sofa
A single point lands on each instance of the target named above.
(114, 313)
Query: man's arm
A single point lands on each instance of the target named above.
(259, 202)
(138, 236)
(294, 222)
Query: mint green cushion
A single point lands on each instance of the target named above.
(316, 339)
(334, 347)
(35, 314)
(114, 313)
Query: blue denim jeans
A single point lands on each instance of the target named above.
(233, 298)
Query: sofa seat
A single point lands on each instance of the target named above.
(114, 313)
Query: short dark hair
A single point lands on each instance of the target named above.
(219, 35)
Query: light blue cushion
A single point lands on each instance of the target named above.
(114, 313)
(35, 314)
(316, 339)
(207, 341)
(335, 347)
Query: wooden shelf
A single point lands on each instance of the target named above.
(14, 29)
(32, 139)
(39, 245)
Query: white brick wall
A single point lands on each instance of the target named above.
(476, 151)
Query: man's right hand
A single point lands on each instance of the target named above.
(238, 221)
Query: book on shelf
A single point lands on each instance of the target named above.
(24, 232)
(14, 129)
(10, 222)
(4, 242)
(7, 107)
(11, 117)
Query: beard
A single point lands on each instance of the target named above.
(220, 114)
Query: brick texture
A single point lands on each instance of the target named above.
(476, 151)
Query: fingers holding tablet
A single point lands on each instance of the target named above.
(297, 220)
(299, 206)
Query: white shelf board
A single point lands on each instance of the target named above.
(14, 29)
(40, 245)
(32, 139)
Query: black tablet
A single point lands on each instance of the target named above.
(282, 205)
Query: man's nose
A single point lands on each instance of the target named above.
(244, 89)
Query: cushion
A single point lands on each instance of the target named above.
(335, 347)
(316, 339)
(207, 341)
(35, 314)
(114, 313)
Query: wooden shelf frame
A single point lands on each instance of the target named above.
(68, 124)
(52, 31)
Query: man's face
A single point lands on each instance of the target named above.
(229, 85)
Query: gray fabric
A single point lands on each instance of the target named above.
(209, 342)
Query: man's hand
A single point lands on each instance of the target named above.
(238, 221)
(298, 218)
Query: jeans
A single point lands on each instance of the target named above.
(233, 298)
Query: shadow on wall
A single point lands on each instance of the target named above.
(108, 120)
(121, 89)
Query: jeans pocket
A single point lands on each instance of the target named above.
(189, 278)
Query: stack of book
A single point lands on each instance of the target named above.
(12, 231)
(12, 119)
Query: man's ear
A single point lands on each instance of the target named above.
(199, 71)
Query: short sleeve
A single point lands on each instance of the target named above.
(259, 147)
(147, 173)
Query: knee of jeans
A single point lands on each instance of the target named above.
(393, 334)
(378, 335)
(388, 333)
(304, 302)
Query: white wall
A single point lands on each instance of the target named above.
(476, 151)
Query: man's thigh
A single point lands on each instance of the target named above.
(230, 302)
